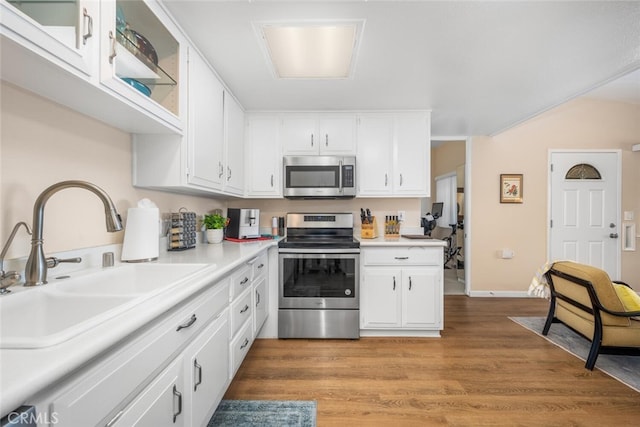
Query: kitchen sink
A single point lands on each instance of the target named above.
(40, 318)
(128, 279)
(66, 307)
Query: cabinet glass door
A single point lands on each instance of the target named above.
(60, 18)
(144, 54)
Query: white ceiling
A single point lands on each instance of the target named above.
(480, 66)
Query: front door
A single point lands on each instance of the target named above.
(585, 206)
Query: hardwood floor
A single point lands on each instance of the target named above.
(485, 371)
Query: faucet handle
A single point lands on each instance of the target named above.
(8, 279)
(53, 261)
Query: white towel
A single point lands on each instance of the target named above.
(539, 286)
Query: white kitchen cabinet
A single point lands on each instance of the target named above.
(260, 298)
(319, 134)
(234, 146)
(160, 404)
(206, 371)
(394, 154)
(72, 44)
(263, 156)
(402, 291)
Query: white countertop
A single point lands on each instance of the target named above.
(24, 372)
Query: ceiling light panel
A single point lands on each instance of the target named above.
(311, 50)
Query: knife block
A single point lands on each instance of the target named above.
(369, 230)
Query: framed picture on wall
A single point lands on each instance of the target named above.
(510, 188)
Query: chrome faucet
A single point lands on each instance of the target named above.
(36, 268)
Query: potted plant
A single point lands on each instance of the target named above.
(214, 223)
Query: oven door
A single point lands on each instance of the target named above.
(319, 280)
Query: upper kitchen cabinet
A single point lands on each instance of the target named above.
(142, 53)
(234, 146)
(64, 31)
(319, 134)
(119, 62)
(393, 154)
(263, 156)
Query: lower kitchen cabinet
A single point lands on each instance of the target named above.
(402, 291)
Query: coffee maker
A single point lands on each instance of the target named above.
(243, 223)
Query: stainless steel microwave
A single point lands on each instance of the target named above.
(327, 177)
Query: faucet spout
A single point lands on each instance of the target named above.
(36, 267)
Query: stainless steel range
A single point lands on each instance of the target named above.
(319, 283)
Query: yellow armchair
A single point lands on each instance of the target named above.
(586, 300)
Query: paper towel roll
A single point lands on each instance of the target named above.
(141, 235)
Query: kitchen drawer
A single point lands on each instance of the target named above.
(259, 266)
(241, 310)
(403, 255)
(240, 281)
(239, 347)
(104, 390)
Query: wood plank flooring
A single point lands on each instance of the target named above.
(485, 370)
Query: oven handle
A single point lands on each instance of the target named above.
(319, 251)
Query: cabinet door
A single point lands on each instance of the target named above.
(148, 78)
(65, 32)
(234, 146)
(300, 135)
(412, 155)
(375, 149)
(421, 297)
(260, 303)
(381, 298)
(160, 404)
(206, 371)
(337, 134)
(264, 158)
(205, 132)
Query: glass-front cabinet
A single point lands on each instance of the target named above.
(141, 53)
(119, 61)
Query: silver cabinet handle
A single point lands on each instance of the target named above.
(198, 370)
(244, 309)
(401, 257)
(220, 169)
(89, 25)
(326, 139)
(272, 180)
(113, 47)
(312, 140)
(394, 283)
(386, 179)
(244, 281)
(257, 298)
(260, 266)
(228, 173)
(188, 324)
(245, 343)
(409, 282)
(178, 395)
(400, 180)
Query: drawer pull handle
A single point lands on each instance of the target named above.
(114, 419)
(394, 283)
(189, 323)
(409, 282)
(244, 344)
(198, 370)
(244, 309)
(401, 257)
(244, 281)
(177, 394)
(260, 266)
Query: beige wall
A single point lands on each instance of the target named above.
(43, 143)
(579, 124)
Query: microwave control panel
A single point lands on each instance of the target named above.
(347, 176)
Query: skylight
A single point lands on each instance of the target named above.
(311, 50)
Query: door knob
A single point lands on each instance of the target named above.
(613, 235)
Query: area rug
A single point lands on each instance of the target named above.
(267, 413)
(625, 369)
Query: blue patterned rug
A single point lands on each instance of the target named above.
(625, 369)
(267, 413)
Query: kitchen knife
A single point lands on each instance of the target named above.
(362, 216)
(369, 215)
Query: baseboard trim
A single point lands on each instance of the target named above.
(501, 294)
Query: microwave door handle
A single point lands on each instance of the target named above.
(340, 176)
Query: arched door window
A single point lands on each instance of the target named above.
(583, 171)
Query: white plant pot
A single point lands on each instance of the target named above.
(215, 235)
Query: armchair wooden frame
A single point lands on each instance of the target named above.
(595, 310)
